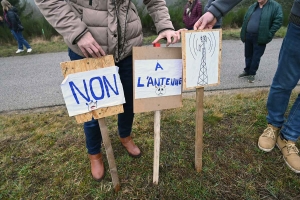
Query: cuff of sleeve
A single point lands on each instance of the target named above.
(213, 10)
(165, 30)
(79, 36)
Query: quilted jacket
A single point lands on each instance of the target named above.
(114, 24)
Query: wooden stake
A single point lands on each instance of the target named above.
(109, 154)
(199, 129)
(156, 146)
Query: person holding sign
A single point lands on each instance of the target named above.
(96, 28)
(280, 132)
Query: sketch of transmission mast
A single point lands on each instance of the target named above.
(203, 77)
(201, 46)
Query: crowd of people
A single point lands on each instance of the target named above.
(87, 36)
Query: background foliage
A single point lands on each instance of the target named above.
(37, 26)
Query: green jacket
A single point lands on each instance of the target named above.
(270, 21)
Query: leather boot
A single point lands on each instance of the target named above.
(131, 148)
(97, 166)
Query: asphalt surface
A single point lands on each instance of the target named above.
(33, 81)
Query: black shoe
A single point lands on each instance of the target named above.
(244, 74)
(251, 78)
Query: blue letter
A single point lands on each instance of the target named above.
(101, 87)
(106, 83)
(150, 81)
(139, 84)
(158, 66)
(168, 81)
(72, 86)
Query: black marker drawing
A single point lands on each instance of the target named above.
(92, 105)
(202, 45)
(160, 90)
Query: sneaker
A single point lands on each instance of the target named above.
(19, 50)
(244, 74)
(251, 78)
(290, 153)
(29, 50)
(267, 140)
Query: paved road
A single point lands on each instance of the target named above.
(33, 81)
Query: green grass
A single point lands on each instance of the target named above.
(43, 155)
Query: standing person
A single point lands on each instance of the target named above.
(219, 21)
(192, 12)
(280, 131)
(99, 27)
(261, 22)
(12, 20)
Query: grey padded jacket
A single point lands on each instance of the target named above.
(114, 24)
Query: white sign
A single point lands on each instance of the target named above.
(90, 90)
(156, 78)
(202, 58)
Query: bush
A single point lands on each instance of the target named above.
(37, 28)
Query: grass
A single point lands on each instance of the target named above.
(43, 155)
(56, 44)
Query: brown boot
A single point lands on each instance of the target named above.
(131, 148)
(97, 166)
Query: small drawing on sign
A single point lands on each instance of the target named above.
(160, 90)
(202, 46)
(92, 105)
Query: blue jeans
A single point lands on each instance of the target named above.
(125, 120)
(253, 53)
(284, 81)
(20, 39)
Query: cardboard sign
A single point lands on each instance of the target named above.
(162, 64)
(90, 90)
(156, 78)
(201, 51)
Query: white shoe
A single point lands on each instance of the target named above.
(29, 50)
(19, 50)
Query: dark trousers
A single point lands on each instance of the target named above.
(125, 120)
(253, 53)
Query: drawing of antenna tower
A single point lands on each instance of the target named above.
(202, 47)
(203, 77)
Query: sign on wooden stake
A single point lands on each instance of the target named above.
(85, 90)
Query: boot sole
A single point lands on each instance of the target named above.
(100, 179)
(294, 170)
(134, 156)
(265, 150)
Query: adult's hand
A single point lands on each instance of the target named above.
(89, 46)
(206, 21)
(180, 30)
(171, 36)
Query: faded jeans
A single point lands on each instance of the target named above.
(125, 120)
(284, 81)
(20, 39)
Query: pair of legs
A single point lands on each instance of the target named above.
(20, 39)
(285, 132)
(253, 53)
(125, 120)
(285, 80)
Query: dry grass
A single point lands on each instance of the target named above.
(43, 155)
